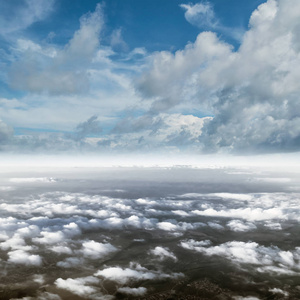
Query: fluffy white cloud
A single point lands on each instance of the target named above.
(135, 273)
(239, 226)
(61, 249)
(200, 14)
(248, 89)
(78, 286)
(61, 71)
(163, 253)
(167, 226)
(95, 250)
(174, 77)
(266, 259)
(50, 237)
(24, 258)
(255, 214)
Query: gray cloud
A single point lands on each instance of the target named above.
(6, 133)
(89, 127)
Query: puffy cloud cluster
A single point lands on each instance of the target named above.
(200, 14)
(252, 92)
(96, 246)
(163, 253)
(78, 286)
(264, 259)
(134, 273)
(59, 71)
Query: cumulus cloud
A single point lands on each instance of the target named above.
(167, 226)
(255, 214)
(140, 291)
(61, 71)
(134, 273)
(200, 14)
(50, 237)
(163, 253)
(24, 258)
(239, 226)
(78, 286)
(266, 259)
(95, 250)
(174, 77)
(248, 89)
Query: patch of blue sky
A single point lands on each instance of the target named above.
(32, 131)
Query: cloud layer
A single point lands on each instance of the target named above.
(95, 246)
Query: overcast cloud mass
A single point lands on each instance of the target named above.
(212, 81)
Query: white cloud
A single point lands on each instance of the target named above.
(24, 258)
(246, 89)
(135, 273)
(95, 250)
(29, 180)
(58, 78)
(200, 14)
(16, 242)
(163, 253)
(78, 286)
(180, 213)
(265, 259)
(273, 225)
(140, 291)
(61, 249)
(239, 226)
(49, 237)
(167, 226)
(279, 291)
(254, 214)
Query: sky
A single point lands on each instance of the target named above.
(150, 77)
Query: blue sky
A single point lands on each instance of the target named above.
(149, 76)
